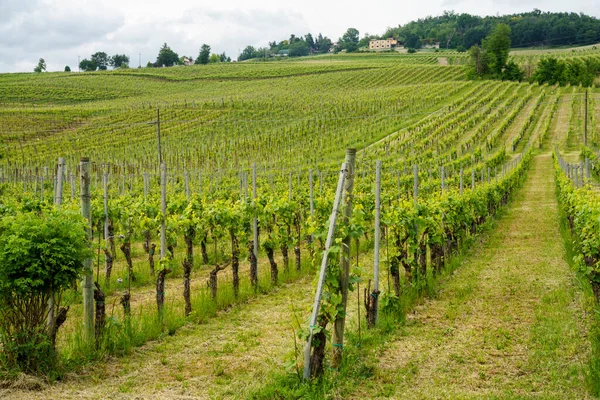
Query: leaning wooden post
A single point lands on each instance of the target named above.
(340, 320)
(375, 293)
(88, 288)
(323, 271)
(254, 231)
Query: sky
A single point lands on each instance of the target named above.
(60, 31)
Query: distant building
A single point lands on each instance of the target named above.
(382, 44)
(188, 61)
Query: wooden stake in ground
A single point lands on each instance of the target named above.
(340, 320)
(160, 279)
(254, 260)
(58, 202)
(372, 301)
(88, 290)
(313, 363)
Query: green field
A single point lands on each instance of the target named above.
(487, 279)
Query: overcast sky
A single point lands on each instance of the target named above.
(61, 30)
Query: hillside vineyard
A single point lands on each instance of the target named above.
(237, 211)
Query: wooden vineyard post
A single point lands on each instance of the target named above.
(145, 177)
(88, 289)
(163, 210)
(373, 300)
(160, 159)
(160, 278)
(72, 180)
(58, 195)
(585, 119)
(443, 186)
(461, 180)
(254, 264)
(312, 200)
(340, 320)
(322, 273)
(51, 322)
(416, 184)
(187, 185)
(587, 169)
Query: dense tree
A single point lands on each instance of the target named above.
(119, 61)
(309, 41)
(534, 28)
(574, 71)
(100, 59)
(351, 36)
(214, 58)
(512, 72)
(497, 45)
(323, 44)
(41, 66)
(298, 49)
(224, 57)
(479, 61)
(248, 53)
(67, 69)
(166, 57)
(204, 55)
(87, 65)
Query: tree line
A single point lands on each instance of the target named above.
(298, 46)
(491, 61)
(535, 28)
(167, 57)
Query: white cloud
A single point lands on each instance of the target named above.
(59, 31)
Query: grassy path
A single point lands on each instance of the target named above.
(223, 358)
(509, 324)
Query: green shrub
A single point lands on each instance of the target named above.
(41, 254)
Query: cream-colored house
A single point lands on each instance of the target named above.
(383, 44)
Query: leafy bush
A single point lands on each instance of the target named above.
(41, 254)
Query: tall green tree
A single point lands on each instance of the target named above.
(87, 65)
(166, 57)
(41, 66)
(119, 61)
(204, 55)
(101, 60)
(479, 61)
(351, 36)
(248, 53)
(497, 46)
(323, 44)
(309, 41)
(298, 49)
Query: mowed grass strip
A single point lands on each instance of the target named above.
(510, 323)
